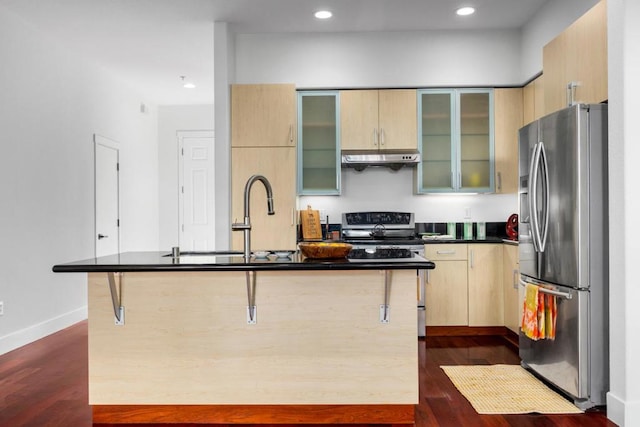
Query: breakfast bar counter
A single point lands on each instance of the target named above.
(232, 261)
(214, 339)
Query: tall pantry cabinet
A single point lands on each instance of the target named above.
(263, 141)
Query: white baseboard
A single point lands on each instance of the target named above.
(621, 412)
(40, 330)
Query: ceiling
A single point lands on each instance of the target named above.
(151, 43)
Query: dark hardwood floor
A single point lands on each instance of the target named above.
(45, 384)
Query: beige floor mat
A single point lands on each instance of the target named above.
(506, 389)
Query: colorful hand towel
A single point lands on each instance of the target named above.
(530, 312)
(539, 314)
(550, 316)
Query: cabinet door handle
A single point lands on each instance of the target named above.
(471, 258)
(428, 279)
(448, 252)
(375, 137)
(381, 137)
(571, 93)
(291, 134)
(499, 180)
(516, 279)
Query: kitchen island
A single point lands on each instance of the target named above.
(213, 339)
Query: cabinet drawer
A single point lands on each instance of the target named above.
(451, 251)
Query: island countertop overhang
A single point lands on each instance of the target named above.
(162, 261)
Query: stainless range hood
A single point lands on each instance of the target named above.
(395, 160)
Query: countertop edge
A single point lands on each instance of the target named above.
(80, 267)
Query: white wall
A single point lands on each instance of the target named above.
(623, 401)
(224, 72)
(171, 119)
(52, 103)
(381, 189)
(390, 59)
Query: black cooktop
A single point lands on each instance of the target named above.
(380, 253)
(385, 241)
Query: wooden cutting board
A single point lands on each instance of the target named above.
(310, 220)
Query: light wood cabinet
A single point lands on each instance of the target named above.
(510, 279)
(378, 119)
(485, 285)
(533, 100)
(263, 115)
(263, 119)
(577, 55)
(466, 287)
(508, 106)
(277, 164)
(446, 302)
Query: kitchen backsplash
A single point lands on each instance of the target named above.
(492, 229)
(380, 189)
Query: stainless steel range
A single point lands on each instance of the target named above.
(390, 228)
(389, 235)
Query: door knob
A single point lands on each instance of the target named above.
(102, 236)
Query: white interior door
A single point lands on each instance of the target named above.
(107, 218)
(197, 195)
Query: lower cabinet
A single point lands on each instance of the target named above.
(466, 287)
(485, 285)
(512, 307)
(446, 299)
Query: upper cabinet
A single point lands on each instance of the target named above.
(508, 120)
(263, 115)
(318, 143)
(456, 140)
(575, 62)
(533, 100)
(378, 119)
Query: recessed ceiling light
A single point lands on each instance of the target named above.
(187, 85)
(464, 11)
(323, 14)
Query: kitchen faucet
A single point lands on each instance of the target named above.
(246, 225)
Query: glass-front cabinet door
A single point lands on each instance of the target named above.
(436, 110)
(318, 143)
(456, 140)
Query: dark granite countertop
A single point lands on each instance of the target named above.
(163, 261)
(486, 240)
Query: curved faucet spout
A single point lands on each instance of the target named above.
(246, 225)
(247, 193)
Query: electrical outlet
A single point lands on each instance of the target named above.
(1, 308)
(323, 216)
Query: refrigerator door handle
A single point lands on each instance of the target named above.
(545, 187)
(565, 295)
(533, 201)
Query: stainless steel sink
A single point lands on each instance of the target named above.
(206, 253)
(203, 257)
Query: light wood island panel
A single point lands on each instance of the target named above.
(318, 340)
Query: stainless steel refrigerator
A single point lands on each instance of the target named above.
(563, 247)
